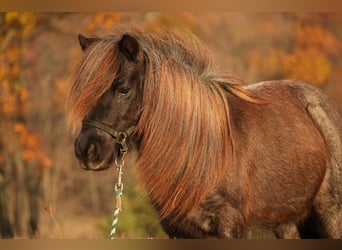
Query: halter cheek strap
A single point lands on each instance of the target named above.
(120, 137)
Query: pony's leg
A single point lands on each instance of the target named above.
(329, 215)
(327, 206)
(287, 231)
(231, 223)
(283, 231)
(332, 223)
(188, 229)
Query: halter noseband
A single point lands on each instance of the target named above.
(120, 137)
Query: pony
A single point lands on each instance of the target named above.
(217, 157)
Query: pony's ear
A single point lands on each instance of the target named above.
(130, 47)
(85, 42)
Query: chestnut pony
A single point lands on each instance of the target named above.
(217, 159)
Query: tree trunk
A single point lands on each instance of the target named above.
(6, 230)
(19, 196)
(33, 178)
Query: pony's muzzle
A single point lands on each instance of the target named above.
(90, 153)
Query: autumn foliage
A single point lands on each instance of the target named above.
(14, 103)
(311, 56)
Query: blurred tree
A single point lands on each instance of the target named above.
(102, 21)
(314, 52)
(21, 157)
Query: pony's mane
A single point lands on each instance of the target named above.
(186, 137)
(185, 131)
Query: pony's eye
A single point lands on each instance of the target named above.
(124, 90)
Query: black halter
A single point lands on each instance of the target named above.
(120, 137)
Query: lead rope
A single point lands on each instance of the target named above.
(119, 162)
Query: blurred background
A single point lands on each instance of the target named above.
(43, 192)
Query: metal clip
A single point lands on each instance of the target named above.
(118, 187)
(122, 136)
(121, 140)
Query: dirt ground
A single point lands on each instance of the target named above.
(71, 226)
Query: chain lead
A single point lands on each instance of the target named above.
(119, 163)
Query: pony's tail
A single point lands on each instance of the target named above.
(326, 116)
(329, 120)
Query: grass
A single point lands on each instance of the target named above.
(137, 218)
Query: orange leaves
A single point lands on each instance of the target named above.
(9, 62)
(14, 96)
(25, 138)
(13, 99)
(306, 47)
(316, 36)
(103, 20)
(19, 139)
(25, 21)
(166, 19)
(7, 100)
(31, 145)
(308, 64)
(312, 56)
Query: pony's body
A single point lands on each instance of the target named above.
(216, 159)
(286, 162)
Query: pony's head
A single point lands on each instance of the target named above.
(106, 96)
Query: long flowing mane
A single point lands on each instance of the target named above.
(187, 141)
(186, 137)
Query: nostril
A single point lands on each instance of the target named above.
(89, 150)
(93, 153)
